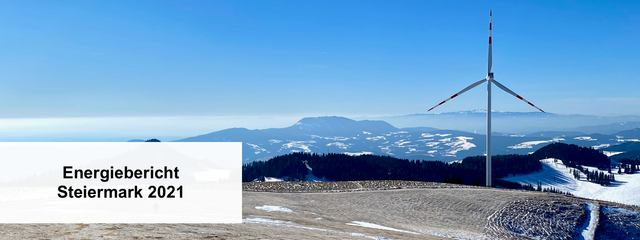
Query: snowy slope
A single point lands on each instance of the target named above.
(625, 190)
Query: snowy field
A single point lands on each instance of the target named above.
(626, 188)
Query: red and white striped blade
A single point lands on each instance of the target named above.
(461, 92)
(514, 94)
(490, 58)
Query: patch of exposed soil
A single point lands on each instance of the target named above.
(373, 210)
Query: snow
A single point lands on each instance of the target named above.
(615, 210)
(376, 226)
(432, 144)
(298, 144)
(386, 149)
(596, 147)
(437, 134)
(587, 138)
(269, 208)
(264, 221)
(609, 153)
(272, 179)
(625, 189)
(376, 138)
(257, 148)
(331, 138)
(589, 228)
(459, 145)
(290, 224)
(531, 143)
(358, 153)
(339, 145)
(310, 177)
(424, 140)
(337, 138)
(399, 132)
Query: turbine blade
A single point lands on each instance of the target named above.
(514, 94)
(490, 58)
(461, 92)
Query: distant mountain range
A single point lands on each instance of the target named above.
(343, 135)
(515, 122)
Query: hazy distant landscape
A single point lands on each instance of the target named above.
(425, 142)
(516, 122)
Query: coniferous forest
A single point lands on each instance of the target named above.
(573, 155)
(341, 167)
(470, 171)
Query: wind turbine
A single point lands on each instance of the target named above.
(489, 79)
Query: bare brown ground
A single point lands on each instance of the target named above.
(322, 211)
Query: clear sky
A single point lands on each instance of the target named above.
(308, 58)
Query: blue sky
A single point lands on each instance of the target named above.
(75, 59)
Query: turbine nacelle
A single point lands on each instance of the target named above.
(490, 76)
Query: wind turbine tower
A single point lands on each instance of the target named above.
(489, 79)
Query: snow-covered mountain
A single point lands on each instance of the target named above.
(343, 135)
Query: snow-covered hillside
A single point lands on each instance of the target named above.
(626, 188)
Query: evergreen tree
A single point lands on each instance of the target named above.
(572, 155)
(341, 167)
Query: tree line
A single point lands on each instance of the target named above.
(342, 167)
(573, 155)
(593, 176)
(470, 171)
(288, 166)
